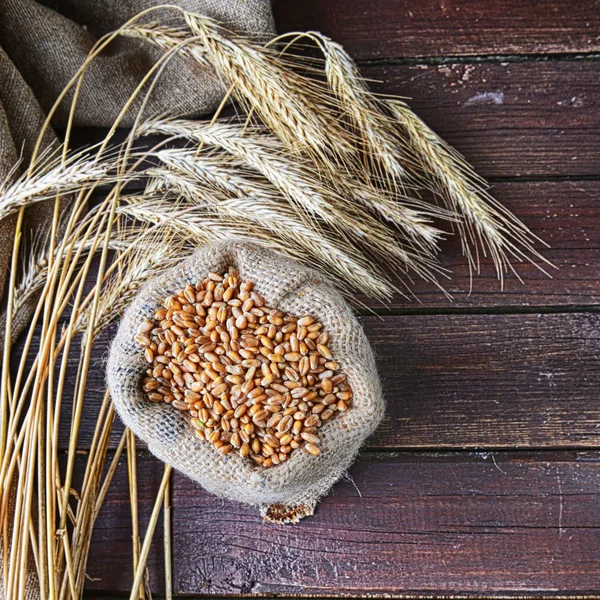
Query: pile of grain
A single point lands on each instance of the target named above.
(250, 377)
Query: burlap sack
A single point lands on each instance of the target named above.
(48, 42)
(295, 485)
(20, 122)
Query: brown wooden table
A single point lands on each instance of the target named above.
(484, 479)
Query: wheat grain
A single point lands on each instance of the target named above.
(196, 362)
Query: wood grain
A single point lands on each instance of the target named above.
(475, 524)
(464, 381)
(509, 119)
(562, 213)
(522, 119)
(383, 29)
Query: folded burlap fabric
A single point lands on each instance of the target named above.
(43, 45)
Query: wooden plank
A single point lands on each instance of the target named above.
(523, 119)
(481, 525)
(509, 119)
(488, 381)
(564, 215)
(466, 381)
(380, 29)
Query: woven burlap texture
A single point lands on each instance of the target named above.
(296, 290)
(48, 46)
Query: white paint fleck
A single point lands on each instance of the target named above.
(486, 98)
(576, 101)
(560, 504)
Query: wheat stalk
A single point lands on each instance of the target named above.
(47, 182)
(484, 221)
(296, 177)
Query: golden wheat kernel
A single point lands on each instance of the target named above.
(274, 397)
(317, 409)
(264, 351)
(267, 380)
(274, 420)
(143, 340)
(324, 351)
(294, 344)
(304, 365)
(285, 424)
(342, 406)
(271, 440)
(256, 391)
(284, 440)
(327, 386)
(299, 392)
(266, 341)
(225, 449)
(312, 421)
(313, 449)
(288, 328)
(266, 450)
(306, 321)
(292, 385)
(251, 362)
(301, 333)
(150, 385)
(310, 437)
(145, 326)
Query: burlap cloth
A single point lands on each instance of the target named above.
(298, 483)
(43, 45)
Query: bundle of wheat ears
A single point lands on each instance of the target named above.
(311, 165)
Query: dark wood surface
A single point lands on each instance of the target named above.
(473, 381)
(398, 29)
(484, 524)
(484, 478)
(525, 119)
